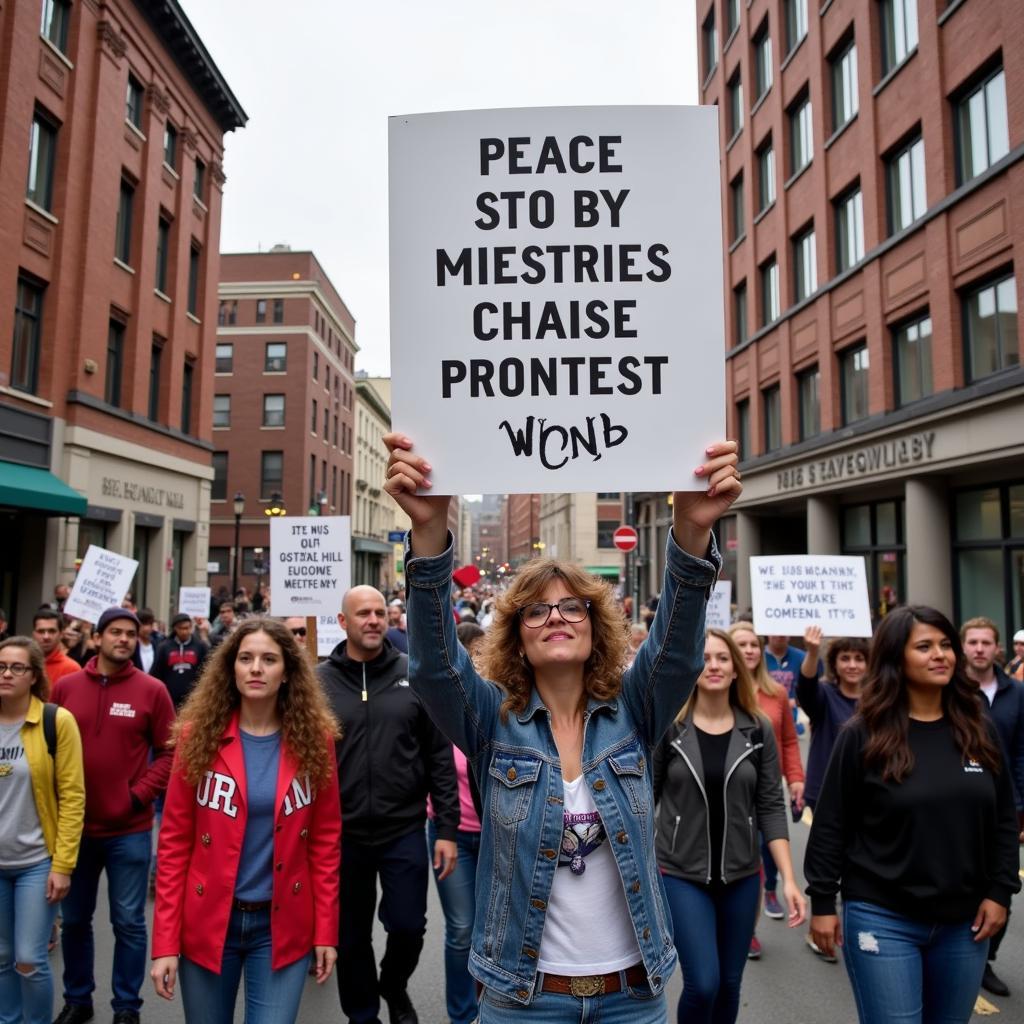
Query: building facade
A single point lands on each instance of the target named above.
(579, 528)
(283, 398)
(112, 121)
(522, 522)
(873, 189)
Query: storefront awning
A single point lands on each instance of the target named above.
(38, 489)
(610, 571)
(376, 547)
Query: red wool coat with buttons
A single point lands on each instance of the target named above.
(201, 844)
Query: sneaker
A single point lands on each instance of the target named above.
(813, 947)
(400, 1009)
(800, 728)
(772, 906)
(991, 982)
(126, 1017)
(74, 1014)
(754, 953)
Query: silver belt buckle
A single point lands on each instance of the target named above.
(587, 985)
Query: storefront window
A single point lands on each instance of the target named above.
(140, 552)
(989, 531)
(91, 532)
(875, 531)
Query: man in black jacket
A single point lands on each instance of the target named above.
(179, 660)
(1003, 699)
(390, 757)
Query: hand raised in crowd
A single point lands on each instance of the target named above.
(325, 957)
(405, 474)
(812, 640)
(694, 513)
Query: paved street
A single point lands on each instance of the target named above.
(787, 986)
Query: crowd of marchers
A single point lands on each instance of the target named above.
(599, 801)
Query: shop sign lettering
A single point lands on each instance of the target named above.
(875, 458)
(144, 495)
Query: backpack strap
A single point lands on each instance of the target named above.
(50, 729)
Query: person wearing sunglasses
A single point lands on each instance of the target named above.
(42, 806)
(570, 921)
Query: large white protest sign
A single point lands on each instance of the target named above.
(194, 601)
(556, 296)
(719, 610)
(102, 581)
(310, 564)
(791, 592)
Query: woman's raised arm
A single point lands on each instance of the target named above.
(407, 473)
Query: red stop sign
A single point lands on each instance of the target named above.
(625, 538)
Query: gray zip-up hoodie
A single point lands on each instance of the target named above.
(753, 801)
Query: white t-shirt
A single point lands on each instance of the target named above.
(587, 928)
(989, 689)
(147, 652)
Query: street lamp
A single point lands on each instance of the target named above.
(276, 507)
(257, 564)
(538, 548)
(239, 509)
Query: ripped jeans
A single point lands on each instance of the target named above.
(25, 922)
(910, 972)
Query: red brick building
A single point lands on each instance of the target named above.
(873, 203)
(522, 522)
(283, 399)
(112, 119)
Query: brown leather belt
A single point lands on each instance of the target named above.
(251, 908)
(594, 984)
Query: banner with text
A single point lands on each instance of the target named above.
(556, 296)
(791, 592)
(310, 564)
(194, 601)
(719, 611)
(102, 581)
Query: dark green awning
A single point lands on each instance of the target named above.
(603, 570)
(38, 489)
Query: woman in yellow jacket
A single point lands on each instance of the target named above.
(42, 805)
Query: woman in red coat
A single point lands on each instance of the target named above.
(247, 870)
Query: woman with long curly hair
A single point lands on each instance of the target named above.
(569, 920)
(247, 874)
(717, 783)
(916, 827)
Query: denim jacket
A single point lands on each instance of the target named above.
(516, 764)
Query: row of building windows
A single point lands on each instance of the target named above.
(990, 344)
(272, 481)
(227, 312)
(275, 360)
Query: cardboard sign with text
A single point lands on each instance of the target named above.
(556, 296)
(791, 592)
(102, 581)
(194, 601)
(310, 564)
(328, 634)
(719, 611)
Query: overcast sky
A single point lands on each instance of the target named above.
(319, 78)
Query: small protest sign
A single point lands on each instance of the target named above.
(556, 281)
(791, 592)
(719, 611)
(194, 601)
(310, 564)
(101, 583)
(328, 634)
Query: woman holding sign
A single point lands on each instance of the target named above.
(247, 874)
(570, 917)
(916, 827)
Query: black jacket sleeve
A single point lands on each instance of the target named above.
(1004, 863)
(771, 805)
(159, 667)
(442, 781)
(810, 697)
(660, 770)
(834, 817)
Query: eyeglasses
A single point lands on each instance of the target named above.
(571, 609)
(17, 669)
(301, 631)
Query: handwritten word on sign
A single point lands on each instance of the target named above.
(791, 592)
(556, 283)
(101, 583)
(310, 564)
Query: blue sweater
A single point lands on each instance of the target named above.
(828, 711)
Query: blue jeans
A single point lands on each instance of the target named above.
(126, 860)
(630, 1006)
(457, 896)
(907, 971)
(713, 927)
(271, 997)
(25, 922)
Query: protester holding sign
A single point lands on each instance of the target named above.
(916, 828)
(42, 803)
(251, 838)
(568, 730)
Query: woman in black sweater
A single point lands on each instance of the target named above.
(916, 827)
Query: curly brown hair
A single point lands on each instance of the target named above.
(306, 720)
(36, 662)
(500, 658)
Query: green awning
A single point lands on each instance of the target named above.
(38, 489)
(604, 570)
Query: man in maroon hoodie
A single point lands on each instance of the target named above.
(125, 719)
